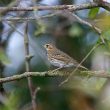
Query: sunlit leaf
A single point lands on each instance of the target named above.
(93, 12)
(102, 21)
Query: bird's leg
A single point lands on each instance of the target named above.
(57, 69)
(80, 66)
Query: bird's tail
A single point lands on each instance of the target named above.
(82, 67)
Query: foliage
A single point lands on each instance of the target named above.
(93, 12)
(71, 36)
(11, 102)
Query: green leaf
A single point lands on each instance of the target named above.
(93, 12)
(3, 58)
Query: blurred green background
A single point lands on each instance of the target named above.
(81, 92)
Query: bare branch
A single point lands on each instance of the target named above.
(99, 74)
(35, 93)
(74, 7)
(57, 7)
(104, 5)
(22, 19)
(98, 30)
(28, 74)
(87, 23)
(27, 64)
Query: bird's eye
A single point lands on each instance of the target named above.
(47, 45)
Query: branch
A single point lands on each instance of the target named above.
(28, 74)
(100, 74)
(57, 7)
(21, 19)
(74, 7)
(27, 65)
(88, 24)
(104, 5)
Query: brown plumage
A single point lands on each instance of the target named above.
(59, 58)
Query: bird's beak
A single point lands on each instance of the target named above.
(44, 46)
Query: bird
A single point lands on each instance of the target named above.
(60, 59)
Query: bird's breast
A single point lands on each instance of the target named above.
(60, 63)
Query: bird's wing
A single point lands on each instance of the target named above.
(67, 59)
(64, 57)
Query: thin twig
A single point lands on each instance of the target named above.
(22, 19)
(86, 23)
(35, 92)
(27, 63)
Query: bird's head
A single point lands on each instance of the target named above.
(49, 47)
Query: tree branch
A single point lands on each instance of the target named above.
(21, 19)
(98, 30)
(74, 7)
(57, 7)
(104, 5)
(27, 65)
(100, 74)
(28, 74)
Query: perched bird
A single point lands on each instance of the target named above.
(60, 59)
